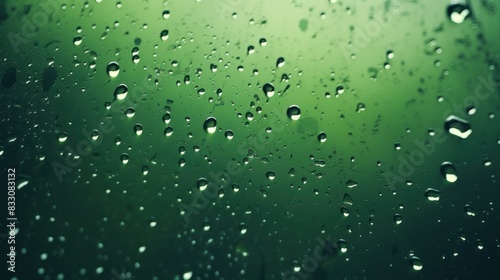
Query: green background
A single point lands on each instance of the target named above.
(436, 69)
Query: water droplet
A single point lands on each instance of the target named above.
(293, 112)
(166, 14)
(432, 194)
(344, 211)
(390, 54)
(121, 92)
(62, 137)
(351, 184)
(130, 112)
(458, 12)
(124, 158)
(360, 107)
(270, 175)
(202, 184)
(168, 131)
(322, 137)
(113, 69)
(342, 245)
(136, 58)
(187, 275)
(416, 263)
(469, 211)
(77, 40)
(398, 219)
(166, 118)
(138, 129)
(458, 127)
(280, 62)
(229, 134)
(250, 49)
(164, 34)
(263, 42)
(243, 228)
(268, 90)
(449, 172)
(210, 125)
(347, 199)
(480, 245)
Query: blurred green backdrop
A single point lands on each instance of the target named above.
(128, 177)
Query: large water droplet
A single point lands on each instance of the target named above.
(293, 112)
(458, 127)
(210, 125)
(449, 172)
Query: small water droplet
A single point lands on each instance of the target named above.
(458, 127)
(166, 14)
(398, 219)
(322, 137)
(344, 211)
(342, 245)
(202, 184)
(62, 137)
(243, 228)
(360, 107)
(270, 175)
(124, 158)
(138, 129)
(263, 42)
(210, 125)
(416, 263)
(432, 194)
(449, 172)
(121, 92)
(268, 90)
(250, 49)
(293, 112)
(77, 40)
(469, 211)
(164, 35)
(351, 184)
(168, 131)
(280, 62)
(229, 134)
(166, 118)
(130, 112)
(113, 69)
